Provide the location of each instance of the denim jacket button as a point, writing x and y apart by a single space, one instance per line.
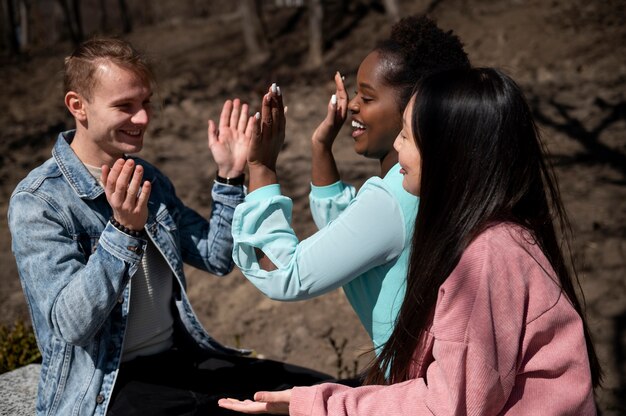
99 398
120 299
136 249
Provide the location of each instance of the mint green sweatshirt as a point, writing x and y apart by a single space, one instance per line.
363 245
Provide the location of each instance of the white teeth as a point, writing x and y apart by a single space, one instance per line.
132 132
357 125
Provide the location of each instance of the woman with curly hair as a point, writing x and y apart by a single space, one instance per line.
363 241
491 323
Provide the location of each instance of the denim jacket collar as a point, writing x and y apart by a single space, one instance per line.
76 173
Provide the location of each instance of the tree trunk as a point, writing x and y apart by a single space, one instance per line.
252 30
23 37
75 32
316 38
127 23
14 44
392 9
104 17
79 21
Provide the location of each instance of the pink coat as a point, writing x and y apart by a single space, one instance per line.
504 340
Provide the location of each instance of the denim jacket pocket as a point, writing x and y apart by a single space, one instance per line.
87 243
165 220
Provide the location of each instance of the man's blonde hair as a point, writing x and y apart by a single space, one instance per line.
81 66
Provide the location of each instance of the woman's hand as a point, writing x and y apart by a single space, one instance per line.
323 166
327 131
267 140
230 142
274 402
126 195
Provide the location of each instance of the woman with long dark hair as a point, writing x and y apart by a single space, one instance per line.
491 322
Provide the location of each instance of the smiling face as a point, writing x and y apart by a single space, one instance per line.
112 122
409 156
376 118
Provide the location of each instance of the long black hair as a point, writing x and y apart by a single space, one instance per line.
482 163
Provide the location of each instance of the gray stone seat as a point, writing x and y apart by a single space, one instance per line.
18 391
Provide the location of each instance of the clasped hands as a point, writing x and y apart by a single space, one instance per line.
238 140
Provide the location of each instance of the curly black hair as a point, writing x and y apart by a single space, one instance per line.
416 48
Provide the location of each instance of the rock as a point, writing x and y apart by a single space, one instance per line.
18 391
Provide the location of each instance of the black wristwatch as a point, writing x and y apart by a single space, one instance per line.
237 180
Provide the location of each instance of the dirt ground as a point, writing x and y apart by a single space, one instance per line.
569 56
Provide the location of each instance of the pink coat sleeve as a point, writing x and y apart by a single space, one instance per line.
504 340
462 379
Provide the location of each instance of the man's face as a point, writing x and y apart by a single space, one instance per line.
117 113
376 117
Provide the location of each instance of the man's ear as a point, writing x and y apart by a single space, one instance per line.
76 104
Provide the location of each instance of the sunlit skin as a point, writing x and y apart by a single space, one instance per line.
409 156
375 109
375 120
229 141
112 121
274 402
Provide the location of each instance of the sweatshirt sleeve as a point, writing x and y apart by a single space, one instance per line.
328 202
368 233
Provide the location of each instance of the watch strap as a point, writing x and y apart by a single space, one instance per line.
236 181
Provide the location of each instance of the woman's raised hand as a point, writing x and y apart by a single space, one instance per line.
229 143
267 140
328 129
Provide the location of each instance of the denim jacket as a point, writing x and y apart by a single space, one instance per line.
75 267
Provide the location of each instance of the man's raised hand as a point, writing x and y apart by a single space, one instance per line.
229 142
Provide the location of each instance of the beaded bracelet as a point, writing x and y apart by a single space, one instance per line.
133 233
